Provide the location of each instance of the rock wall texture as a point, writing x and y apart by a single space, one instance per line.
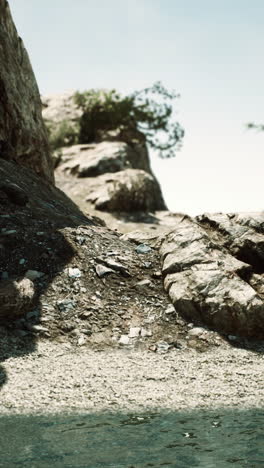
101 177
23 136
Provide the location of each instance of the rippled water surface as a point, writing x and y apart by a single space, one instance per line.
194 439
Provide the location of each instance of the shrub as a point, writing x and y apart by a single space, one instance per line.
65 133
148 111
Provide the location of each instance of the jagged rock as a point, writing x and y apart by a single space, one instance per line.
23 137
96 159
206 283
128 190
241 234
16 297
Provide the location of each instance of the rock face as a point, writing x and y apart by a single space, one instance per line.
116 152
125 191
213 272
97 159
23 136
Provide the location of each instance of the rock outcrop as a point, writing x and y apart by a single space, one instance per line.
23 137
212 273
115 170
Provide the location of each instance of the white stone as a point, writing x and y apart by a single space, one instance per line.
134 332
124 339
74 273
196 331
145 332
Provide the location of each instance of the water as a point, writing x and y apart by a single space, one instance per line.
195 439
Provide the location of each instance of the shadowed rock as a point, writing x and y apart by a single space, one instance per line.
23 136
206 280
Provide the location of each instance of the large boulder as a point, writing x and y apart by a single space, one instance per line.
213 275
129 190
95 159
23 137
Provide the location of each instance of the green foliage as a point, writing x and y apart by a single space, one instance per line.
148 111
254 126
63 134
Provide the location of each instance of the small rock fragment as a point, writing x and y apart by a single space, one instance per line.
102 270
81 341
33 274
75 273
124 340
16 297
196 331
144 332
232 337
145 282
157 275
143 249
65 305
37 328
163 347
134 332
170 310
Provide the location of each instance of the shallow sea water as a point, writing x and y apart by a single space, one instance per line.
208 439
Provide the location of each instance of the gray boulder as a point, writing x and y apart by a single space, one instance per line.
16 298
95 159
127 190
241 234
207 280
23 137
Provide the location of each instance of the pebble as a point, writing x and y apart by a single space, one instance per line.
144 332
22 261
75 273
170 310
157 274
163 347
134 332
65 304
145 282
37 328
232 337
81 341
124 340
143 249
102 270
197 331
33 274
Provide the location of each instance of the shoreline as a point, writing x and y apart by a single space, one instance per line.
60 378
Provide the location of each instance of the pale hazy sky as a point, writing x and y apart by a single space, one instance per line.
209 51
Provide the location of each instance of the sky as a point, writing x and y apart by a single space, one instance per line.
209 51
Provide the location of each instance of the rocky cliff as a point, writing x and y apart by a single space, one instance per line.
23 136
